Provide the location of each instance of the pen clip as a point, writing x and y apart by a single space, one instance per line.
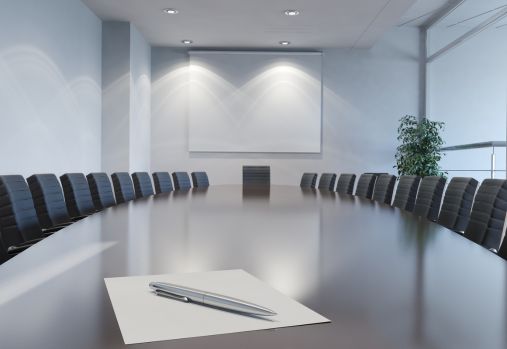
166 294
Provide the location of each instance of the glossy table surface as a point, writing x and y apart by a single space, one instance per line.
385 278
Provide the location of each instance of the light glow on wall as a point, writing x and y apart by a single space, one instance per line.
255 102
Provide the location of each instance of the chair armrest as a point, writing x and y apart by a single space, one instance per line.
30 242
493 250
14 250
52 229
62 225
78 218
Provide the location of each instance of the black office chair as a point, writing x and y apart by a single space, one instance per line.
48 200
502 252
200 179
406 192
181 181
4 256
429 197
142 184
123 187
327 181
19 226
163 182
384 187
101 190
365 185
308 180
77 195
346 183
256 176
457 204
488 214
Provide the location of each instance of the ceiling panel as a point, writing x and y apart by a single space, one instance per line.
259 23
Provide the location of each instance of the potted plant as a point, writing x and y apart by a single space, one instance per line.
419 152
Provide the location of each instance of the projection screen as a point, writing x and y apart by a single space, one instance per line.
255 102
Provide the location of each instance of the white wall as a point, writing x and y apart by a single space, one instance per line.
468 91
126 112
365 94
50 87
254 101
116 89
140 99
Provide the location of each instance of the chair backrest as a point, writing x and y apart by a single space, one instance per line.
200 179
101 190
327 181
502 252
429 197
365 185
256 176
488 214
163 182
77 194
181 181
48 200
4 256
123 187
406 192
142 184
457 204
18 219
384 187
346 183
308 180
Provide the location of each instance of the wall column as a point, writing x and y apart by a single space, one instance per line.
126 98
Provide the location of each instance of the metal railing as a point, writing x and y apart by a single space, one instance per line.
489 144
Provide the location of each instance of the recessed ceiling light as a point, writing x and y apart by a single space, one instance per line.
187 42
291 12
285 43
170 11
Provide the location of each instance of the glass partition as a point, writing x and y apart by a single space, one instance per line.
467 85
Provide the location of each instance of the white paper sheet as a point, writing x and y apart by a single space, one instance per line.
144 317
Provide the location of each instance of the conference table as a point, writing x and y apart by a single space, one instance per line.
385 278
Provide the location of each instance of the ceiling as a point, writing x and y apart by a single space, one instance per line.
258 23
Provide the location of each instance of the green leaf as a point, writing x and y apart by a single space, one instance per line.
419 149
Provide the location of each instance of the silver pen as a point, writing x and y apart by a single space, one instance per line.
187 294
